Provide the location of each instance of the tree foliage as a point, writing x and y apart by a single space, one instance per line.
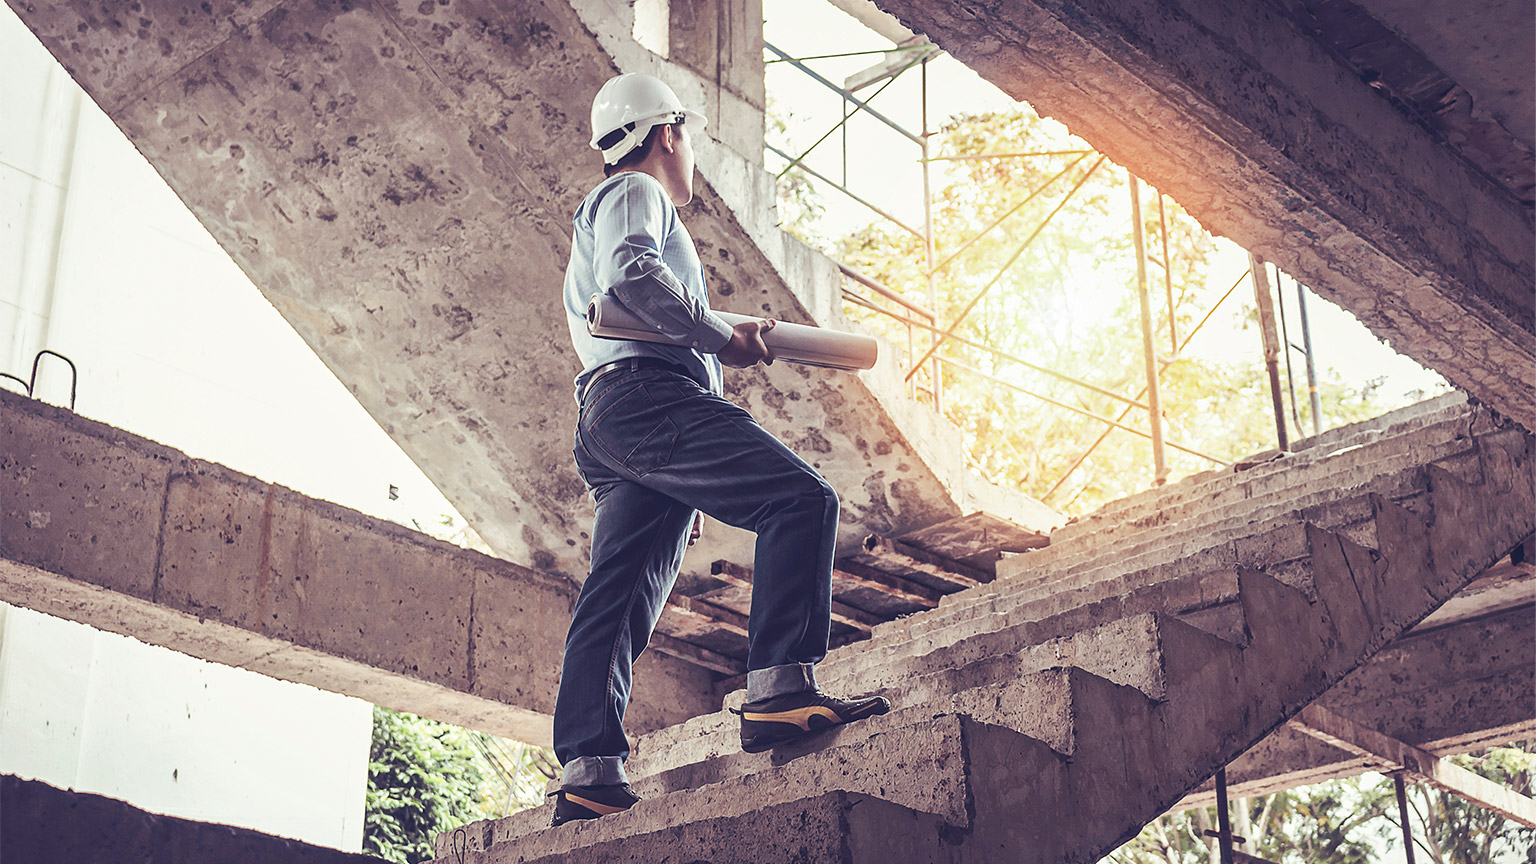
424 777
1066 301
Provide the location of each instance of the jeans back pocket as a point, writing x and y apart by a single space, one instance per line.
634 432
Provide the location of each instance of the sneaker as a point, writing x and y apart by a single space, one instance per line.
773 721
590 802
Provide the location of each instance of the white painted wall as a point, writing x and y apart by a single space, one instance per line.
100 262
172 734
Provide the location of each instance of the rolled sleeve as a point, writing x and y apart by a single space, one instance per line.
710 335
630 221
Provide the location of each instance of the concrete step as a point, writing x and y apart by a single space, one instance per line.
1124 650
1301 487
1001 688
1437 429
1246 539
831 828
1440 418
913 759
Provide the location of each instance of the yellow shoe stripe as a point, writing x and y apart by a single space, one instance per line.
799 716
595 807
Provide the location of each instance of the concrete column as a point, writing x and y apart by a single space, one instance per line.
722 41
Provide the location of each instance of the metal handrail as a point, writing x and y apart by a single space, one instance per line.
888 293
1004 355
1083 411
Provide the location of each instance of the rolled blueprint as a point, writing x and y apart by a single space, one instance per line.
797 343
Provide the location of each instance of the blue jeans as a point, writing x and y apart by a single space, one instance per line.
653 446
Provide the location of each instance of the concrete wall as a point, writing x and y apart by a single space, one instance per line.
98 712
41 823
398 179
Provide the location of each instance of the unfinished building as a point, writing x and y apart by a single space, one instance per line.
397 179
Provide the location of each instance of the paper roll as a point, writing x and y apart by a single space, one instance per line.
796 343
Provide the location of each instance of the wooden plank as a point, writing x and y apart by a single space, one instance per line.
897 588
842 613
1345 734
697 615
901 558
690 653
978 538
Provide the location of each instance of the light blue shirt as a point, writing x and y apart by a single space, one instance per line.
627 240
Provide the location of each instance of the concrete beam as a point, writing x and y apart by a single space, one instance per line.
398 179
1257 129
1341 732
102 527
39 822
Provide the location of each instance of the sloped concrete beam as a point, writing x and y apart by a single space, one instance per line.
109 529
1333 729
1264 136
398 178
39 822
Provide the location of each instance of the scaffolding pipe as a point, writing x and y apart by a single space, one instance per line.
842 124
1003 355
1223 821
863 105
1306 341
959 319
935 370
1010 211
1266 302
1287 346
1073 408
888 293
1173 321
835 185
1144 294
968 156
1402 813
1124 411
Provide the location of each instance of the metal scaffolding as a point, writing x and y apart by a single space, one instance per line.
920 319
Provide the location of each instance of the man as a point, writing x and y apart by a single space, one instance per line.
656 444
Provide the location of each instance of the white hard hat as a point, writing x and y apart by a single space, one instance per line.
631 104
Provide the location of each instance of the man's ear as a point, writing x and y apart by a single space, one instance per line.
668 140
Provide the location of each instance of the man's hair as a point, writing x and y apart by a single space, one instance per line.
637 155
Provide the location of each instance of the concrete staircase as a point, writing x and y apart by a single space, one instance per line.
1050 714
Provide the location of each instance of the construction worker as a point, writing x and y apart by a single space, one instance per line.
656 444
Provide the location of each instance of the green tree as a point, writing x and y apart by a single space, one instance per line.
424 777
1456 832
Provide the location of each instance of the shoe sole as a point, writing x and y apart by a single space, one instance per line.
582 809
798 722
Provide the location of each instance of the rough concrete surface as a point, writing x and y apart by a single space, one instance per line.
1069 778
398 179
1264 136
103 527
40 823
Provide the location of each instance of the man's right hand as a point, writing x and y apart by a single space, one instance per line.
746 347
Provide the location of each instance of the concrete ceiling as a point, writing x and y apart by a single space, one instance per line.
398 179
